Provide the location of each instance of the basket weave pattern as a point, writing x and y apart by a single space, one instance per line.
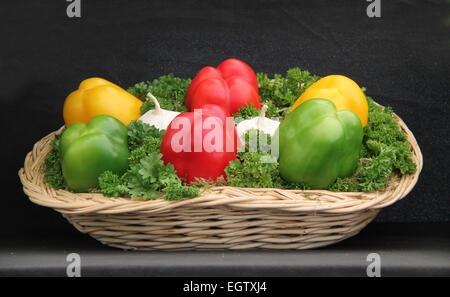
222 217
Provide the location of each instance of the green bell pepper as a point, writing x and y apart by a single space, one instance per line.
317 144
88 150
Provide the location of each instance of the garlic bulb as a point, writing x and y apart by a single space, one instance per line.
261 123
158 117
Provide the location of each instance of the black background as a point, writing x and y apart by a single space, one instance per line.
402 58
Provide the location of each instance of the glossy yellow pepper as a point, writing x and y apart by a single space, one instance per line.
342 91
96 96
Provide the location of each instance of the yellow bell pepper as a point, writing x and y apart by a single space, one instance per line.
96 96
342 91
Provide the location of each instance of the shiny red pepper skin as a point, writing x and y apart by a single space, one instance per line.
231 85
197 161
215 110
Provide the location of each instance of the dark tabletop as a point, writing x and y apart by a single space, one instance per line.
402 58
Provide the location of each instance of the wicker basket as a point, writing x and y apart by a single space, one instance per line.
222 217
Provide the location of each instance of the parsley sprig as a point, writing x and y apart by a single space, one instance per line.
53 171
170 91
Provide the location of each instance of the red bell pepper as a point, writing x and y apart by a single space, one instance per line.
200 144
215 110
231 85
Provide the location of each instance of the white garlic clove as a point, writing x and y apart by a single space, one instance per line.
261 123
158 117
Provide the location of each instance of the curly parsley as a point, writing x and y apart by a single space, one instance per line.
280 93
170 91
250 171
254 167
246 112
53 171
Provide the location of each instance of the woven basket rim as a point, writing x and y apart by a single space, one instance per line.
271 199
